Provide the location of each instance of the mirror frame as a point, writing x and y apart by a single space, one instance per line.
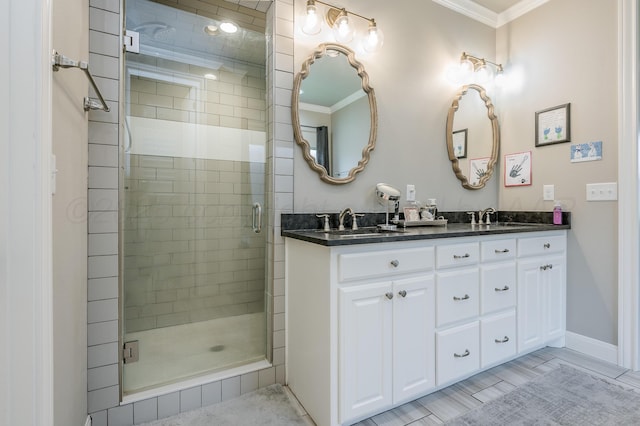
455 164
320 51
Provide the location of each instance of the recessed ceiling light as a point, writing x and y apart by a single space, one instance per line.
229 27
211 76
211 30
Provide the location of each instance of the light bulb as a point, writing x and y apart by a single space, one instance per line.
466 70
342 30
375 38
312 23
500 78
483 74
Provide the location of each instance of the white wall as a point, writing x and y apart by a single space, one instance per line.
70 25
25 228
413 100
561 56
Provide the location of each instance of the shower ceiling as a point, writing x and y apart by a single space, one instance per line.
165 30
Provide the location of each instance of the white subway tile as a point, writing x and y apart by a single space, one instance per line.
101 222
102 310
104 44
103 244
104 21
102 377
103 177
103 155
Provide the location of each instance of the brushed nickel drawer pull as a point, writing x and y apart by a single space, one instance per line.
505 288
464 256
465 297
389 295
505 340
403 293
501 251
395 263
466 353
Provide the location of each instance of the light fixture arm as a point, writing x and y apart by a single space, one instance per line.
476 61
340 10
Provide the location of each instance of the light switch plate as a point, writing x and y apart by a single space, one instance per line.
602 191
548 192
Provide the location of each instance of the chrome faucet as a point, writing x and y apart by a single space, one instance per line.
486 212
343 213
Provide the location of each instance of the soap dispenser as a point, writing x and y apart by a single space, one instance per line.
557 213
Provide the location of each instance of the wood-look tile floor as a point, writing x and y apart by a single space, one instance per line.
441 406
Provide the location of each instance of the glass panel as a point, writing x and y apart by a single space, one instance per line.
194 166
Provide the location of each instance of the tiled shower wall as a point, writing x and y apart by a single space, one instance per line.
189 251
103 203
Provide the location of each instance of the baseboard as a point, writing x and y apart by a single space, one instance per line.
592 347
88 421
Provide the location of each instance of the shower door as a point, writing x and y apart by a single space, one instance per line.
192 190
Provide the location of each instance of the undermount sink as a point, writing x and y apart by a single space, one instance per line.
361 232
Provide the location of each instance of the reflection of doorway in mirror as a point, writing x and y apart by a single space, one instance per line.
477 169
460 143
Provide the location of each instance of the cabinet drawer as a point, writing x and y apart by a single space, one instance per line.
541 245
457 296
457 255
354 266
457 352
497 250
497 287
497 338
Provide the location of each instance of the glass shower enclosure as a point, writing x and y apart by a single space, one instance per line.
192 190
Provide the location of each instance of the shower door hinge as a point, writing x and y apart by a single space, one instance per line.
131 41
130 352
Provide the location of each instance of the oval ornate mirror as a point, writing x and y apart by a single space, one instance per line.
473 140
334 113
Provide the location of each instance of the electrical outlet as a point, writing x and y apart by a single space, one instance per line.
602 191
411 192
548 192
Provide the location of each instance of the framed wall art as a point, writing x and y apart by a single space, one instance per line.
517 169
460 143
553 125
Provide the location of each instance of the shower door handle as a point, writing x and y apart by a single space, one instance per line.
256 220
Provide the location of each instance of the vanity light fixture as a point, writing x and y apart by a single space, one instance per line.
479 70
338 19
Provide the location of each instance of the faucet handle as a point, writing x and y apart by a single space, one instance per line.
354 224
488 218
327 228
473 217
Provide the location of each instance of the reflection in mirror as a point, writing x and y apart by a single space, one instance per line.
334 113
473 136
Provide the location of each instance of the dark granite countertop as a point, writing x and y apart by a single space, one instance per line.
538 221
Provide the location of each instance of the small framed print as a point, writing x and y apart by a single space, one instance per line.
460 143
553 125
517 169
477 169
411 214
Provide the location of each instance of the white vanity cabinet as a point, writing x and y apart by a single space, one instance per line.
541 291
386 344
372 326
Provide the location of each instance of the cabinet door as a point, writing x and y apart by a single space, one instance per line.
365 365
531 303
413 337
555 285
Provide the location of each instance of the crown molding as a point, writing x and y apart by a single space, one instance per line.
489 17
